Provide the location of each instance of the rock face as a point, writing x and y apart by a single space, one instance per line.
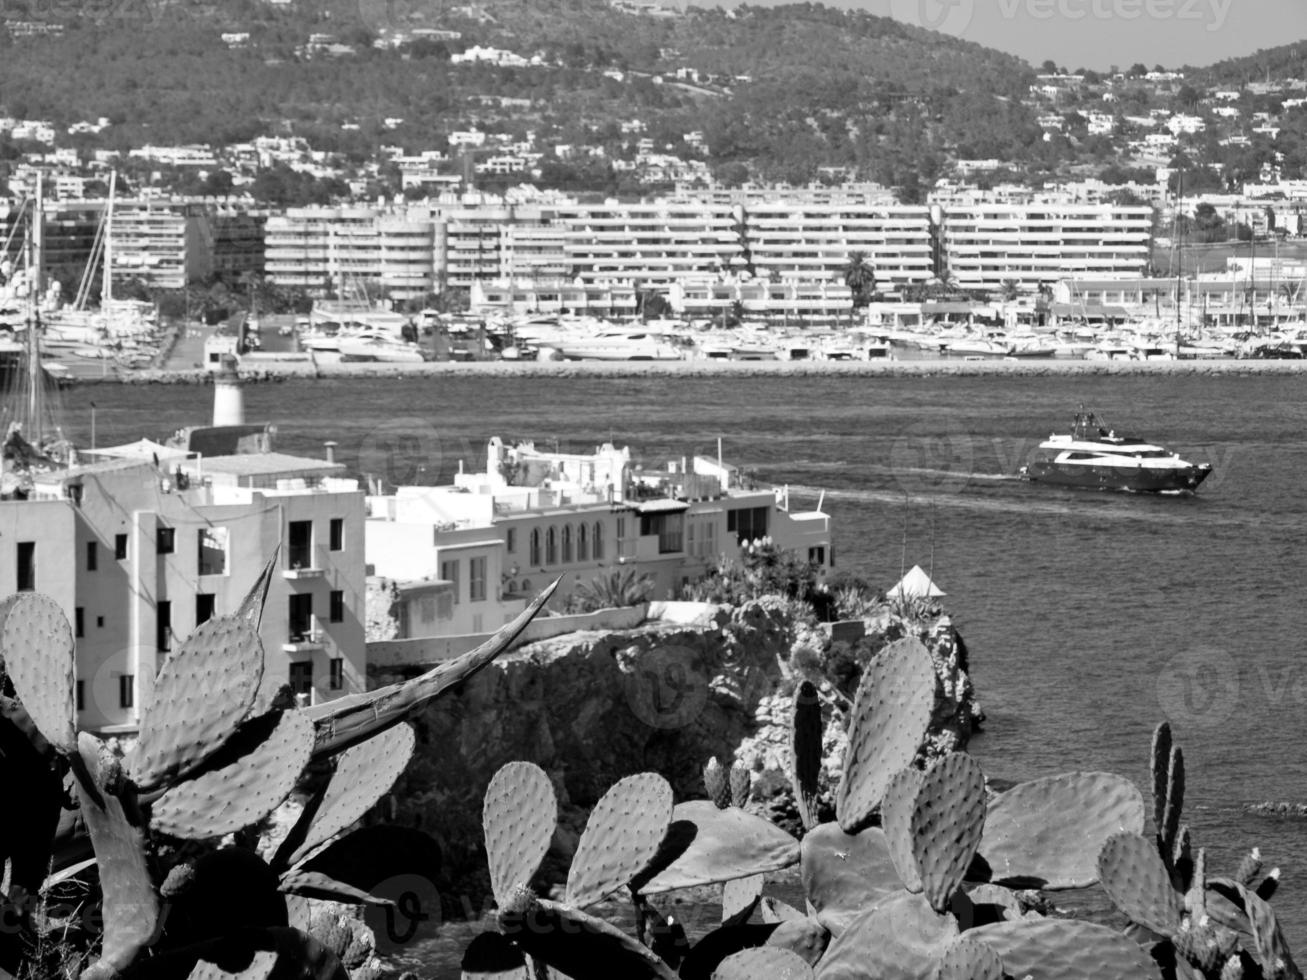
591 708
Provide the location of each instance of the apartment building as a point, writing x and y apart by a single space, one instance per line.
138 558
466 557
986 245
164 244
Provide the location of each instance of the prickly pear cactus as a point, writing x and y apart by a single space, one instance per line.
620 838
1066 949
763 961
740 897
717 783
969 959
896 811
519 815
726 844
900 937
947 820
741 783
36 646
805 748
225 799
204 690
1135 878
891 712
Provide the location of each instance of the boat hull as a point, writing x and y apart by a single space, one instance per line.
1139 479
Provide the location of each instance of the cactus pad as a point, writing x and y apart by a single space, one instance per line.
364 774
740 897
771 962
203 692
716 783
578 944
131 910
845 874
1269 946
741 785
891 712
37 651
946 825
727 844
1170 826
900 937
223 800
621 836
1050 831
968 959
1160 767
1138 883
1066 949
803 936
805 748
896 820
519 816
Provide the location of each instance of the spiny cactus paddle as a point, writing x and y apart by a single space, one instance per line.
740 897
1269 947
727 844
1160 767
741 783
900 937
969 959
1048 832
896 811
518 816
803 936
204 690
1066 949
844 874
890 716
363 775
621 836
1169 830
235 793
805 749
716 783
131 910
1134 877
947 820
36 646
763 961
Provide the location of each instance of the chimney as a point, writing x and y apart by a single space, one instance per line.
331 450
228 397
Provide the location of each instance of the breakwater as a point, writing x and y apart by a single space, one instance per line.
301 370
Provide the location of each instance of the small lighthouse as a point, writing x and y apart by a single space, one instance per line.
228 395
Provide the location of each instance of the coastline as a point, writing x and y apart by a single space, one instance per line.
295 370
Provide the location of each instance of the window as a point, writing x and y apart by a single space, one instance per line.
165 540
203 607
337 534
26 566
301 616
301 677
212 551
667 527
535 546
126 690
582 545
747 523
92 556
163 625
449 572
551 546
79 622
817 555
299 553
512 540
337 673
120 547
81 695
598 544
476 580
336 613
567 544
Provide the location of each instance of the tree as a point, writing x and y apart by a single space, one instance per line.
860 277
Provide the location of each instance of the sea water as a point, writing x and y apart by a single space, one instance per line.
1089 616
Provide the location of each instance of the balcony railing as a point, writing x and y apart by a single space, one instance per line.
305 639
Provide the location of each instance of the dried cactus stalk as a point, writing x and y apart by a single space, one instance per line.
620 838
364 774
37 650
947 821
1134 877
225 799
891 712
519 815
805 749
205 689
896 820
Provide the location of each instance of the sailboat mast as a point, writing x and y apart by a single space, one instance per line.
35 288
106 288
1179 249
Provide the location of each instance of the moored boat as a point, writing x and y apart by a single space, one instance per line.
1094 457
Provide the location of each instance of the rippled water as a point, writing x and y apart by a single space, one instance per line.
1090 617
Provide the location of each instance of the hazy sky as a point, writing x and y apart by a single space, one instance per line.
1100 33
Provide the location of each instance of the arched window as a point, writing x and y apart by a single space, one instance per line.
535 546
567 544
582 545
598 544
551 546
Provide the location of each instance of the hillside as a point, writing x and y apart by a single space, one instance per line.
1285 61
789 89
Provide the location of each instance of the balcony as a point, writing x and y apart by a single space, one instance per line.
305 637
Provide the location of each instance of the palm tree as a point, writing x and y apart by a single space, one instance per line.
860 277
622 587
